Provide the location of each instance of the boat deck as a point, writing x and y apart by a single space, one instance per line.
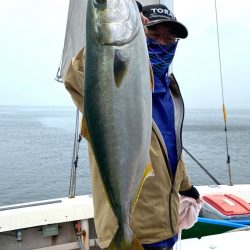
31 220
225 241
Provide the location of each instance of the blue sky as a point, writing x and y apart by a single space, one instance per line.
32 36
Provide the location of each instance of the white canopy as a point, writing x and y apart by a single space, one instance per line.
75 31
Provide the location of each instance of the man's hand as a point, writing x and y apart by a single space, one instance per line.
144 22
144 19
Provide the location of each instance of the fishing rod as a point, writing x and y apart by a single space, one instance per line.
222 93
203 168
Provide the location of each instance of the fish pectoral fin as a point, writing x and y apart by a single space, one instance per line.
148 171
120 65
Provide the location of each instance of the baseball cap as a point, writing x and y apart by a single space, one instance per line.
159 13
139 6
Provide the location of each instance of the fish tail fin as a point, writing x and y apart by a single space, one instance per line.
125 240
148 171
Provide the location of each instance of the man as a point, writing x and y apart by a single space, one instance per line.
164 31
154 220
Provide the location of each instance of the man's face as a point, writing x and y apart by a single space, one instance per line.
161 33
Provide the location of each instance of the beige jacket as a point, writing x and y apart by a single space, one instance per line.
155 216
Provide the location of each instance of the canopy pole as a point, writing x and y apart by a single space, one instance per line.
77 140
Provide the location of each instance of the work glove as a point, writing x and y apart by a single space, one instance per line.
192 192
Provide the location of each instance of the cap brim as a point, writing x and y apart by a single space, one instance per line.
179 29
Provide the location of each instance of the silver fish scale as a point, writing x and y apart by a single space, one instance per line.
119 118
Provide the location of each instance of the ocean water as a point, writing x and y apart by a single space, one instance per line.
36 145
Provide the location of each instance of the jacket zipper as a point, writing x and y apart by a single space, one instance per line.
180 141
170 175
183 113
166 155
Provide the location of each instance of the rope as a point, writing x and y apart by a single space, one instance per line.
77 140
222 92
203 168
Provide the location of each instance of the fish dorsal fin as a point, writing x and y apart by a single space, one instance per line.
121 59
84 130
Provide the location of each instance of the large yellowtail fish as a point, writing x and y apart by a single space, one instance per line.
118 106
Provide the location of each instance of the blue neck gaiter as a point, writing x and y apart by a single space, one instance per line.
161 56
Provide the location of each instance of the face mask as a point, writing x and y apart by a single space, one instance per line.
161 56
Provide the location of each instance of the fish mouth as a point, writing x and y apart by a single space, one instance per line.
118 23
